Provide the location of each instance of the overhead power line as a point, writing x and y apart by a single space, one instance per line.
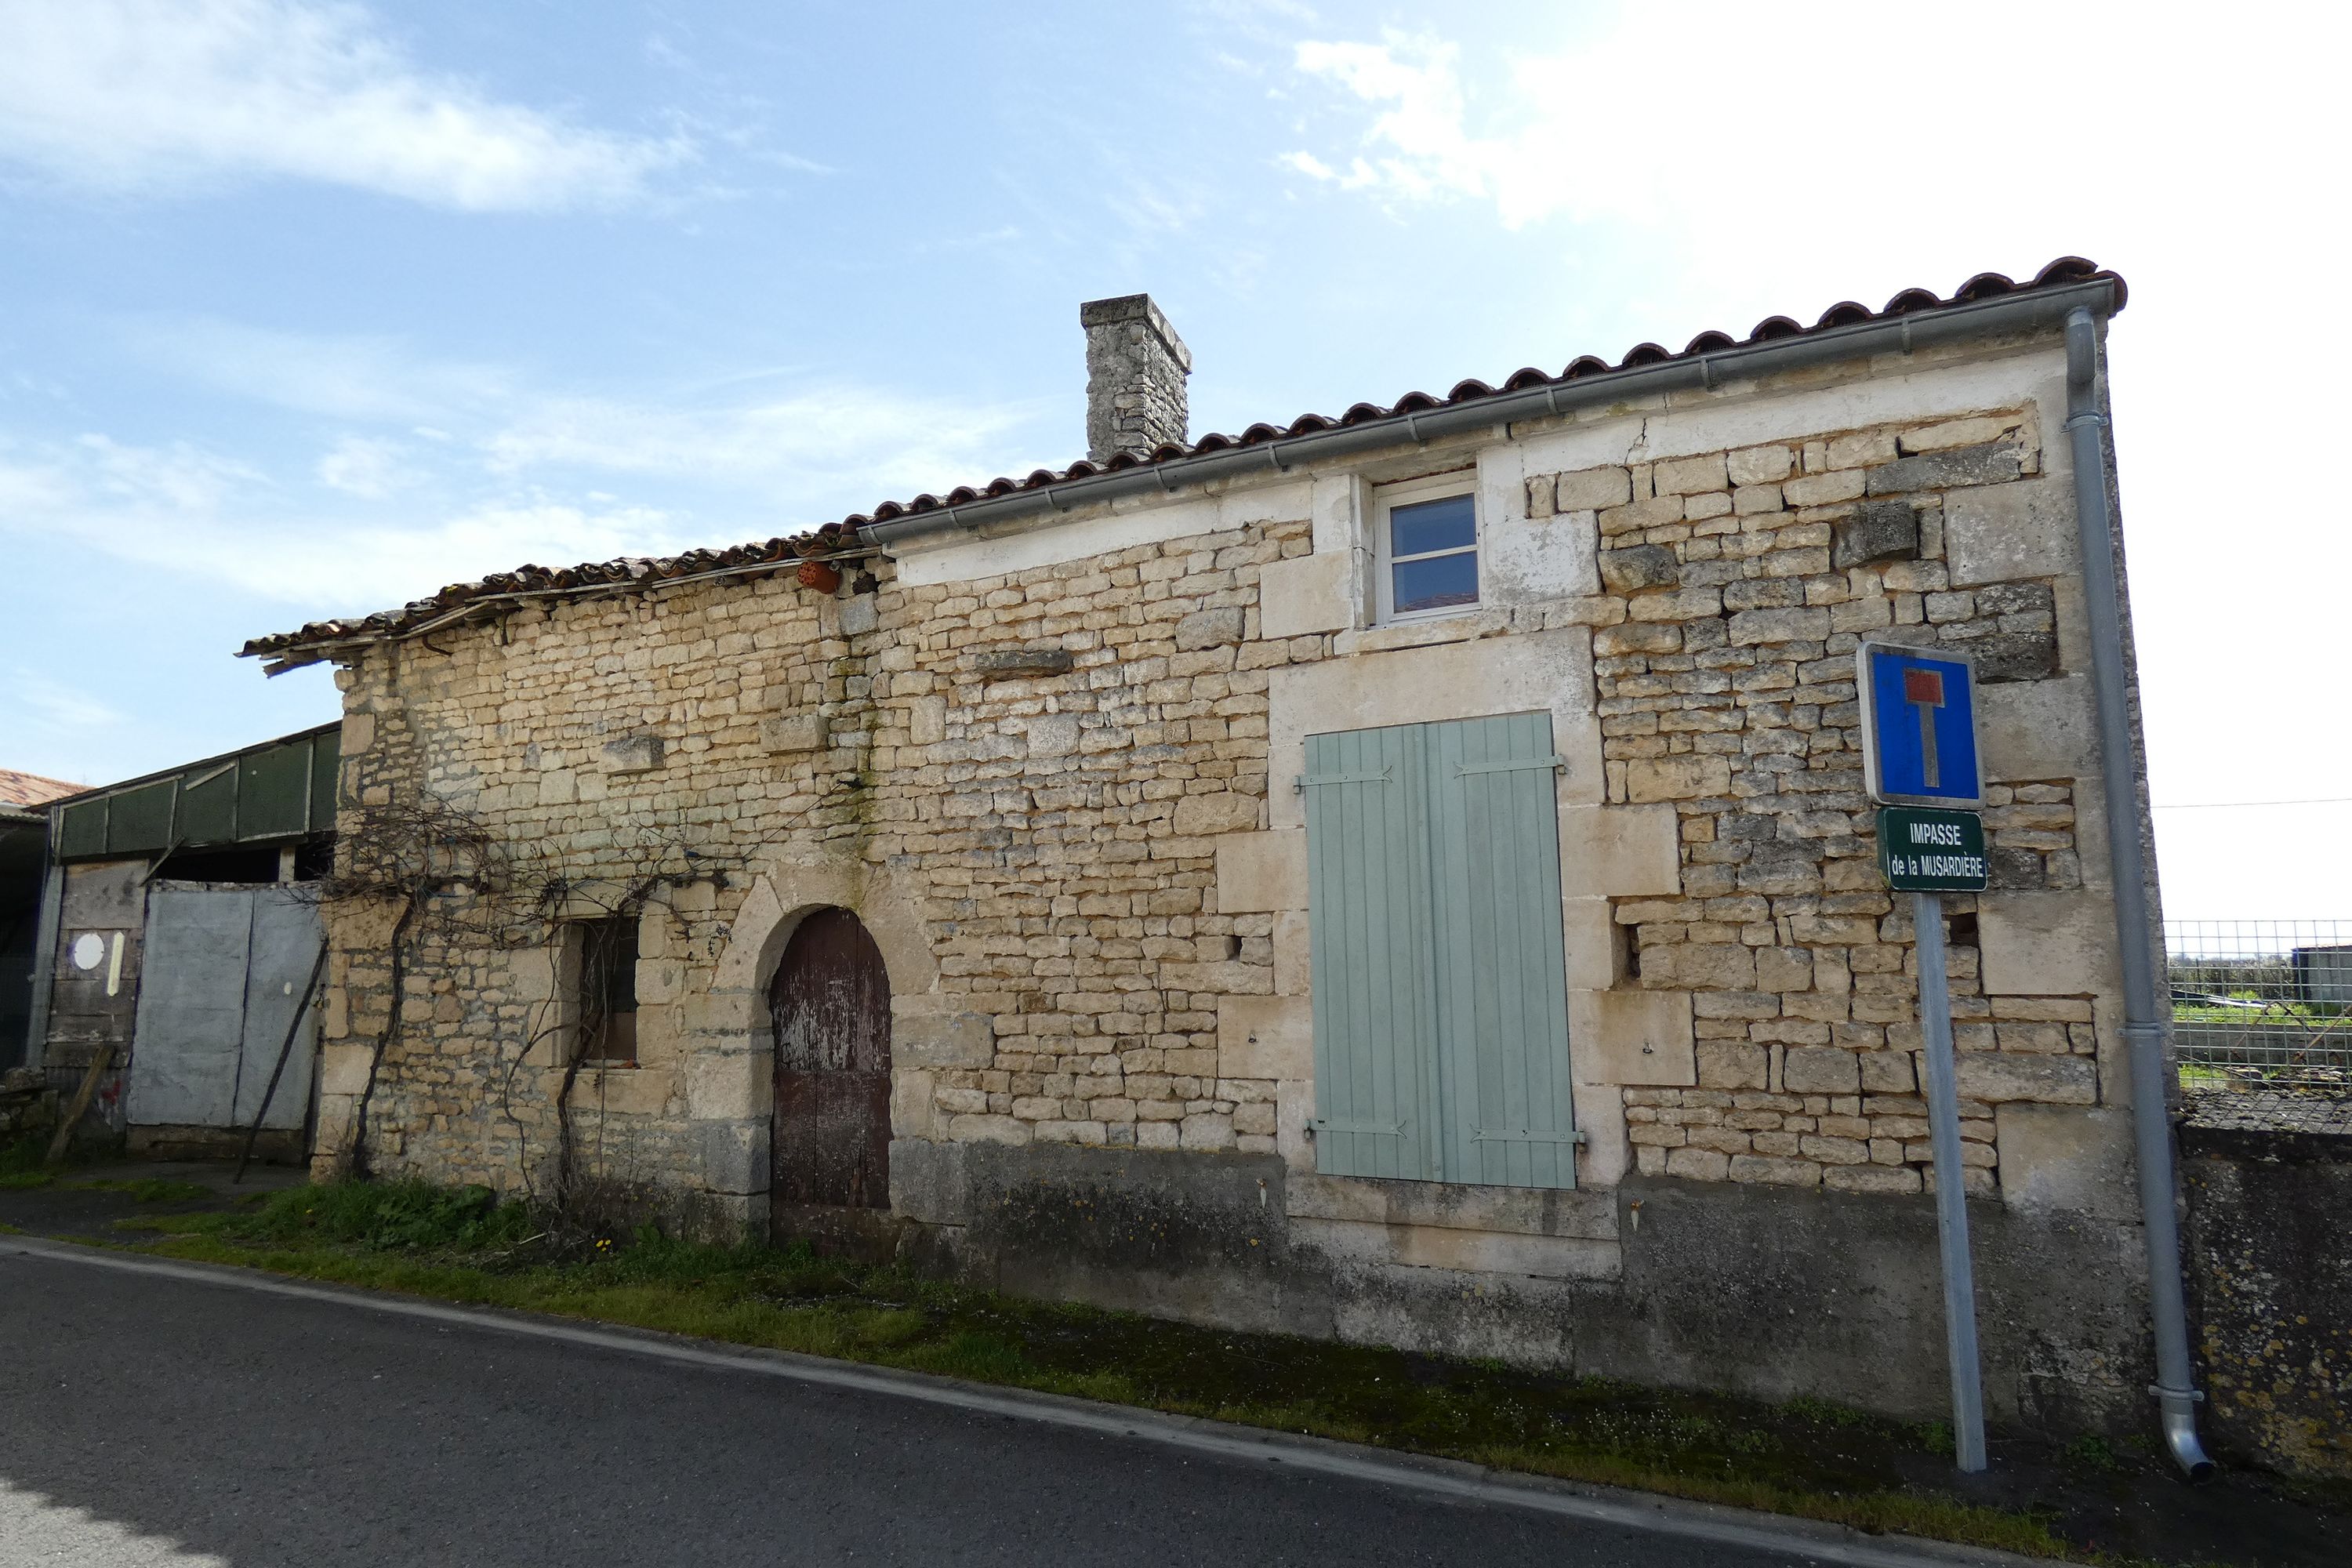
2233 804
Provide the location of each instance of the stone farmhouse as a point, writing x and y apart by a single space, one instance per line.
1401 876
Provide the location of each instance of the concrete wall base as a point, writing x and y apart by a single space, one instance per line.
1760 1292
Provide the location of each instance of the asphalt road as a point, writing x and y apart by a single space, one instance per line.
159 1420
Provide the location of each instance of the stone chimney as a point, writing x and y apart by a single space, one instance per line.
1136 366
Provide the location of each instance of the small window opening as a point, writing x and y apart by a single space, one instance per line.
241 865
1964 929
314 859
608 991
1428 543
1630 938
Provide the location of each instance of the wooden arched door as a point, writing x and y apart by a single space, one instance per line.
831 1004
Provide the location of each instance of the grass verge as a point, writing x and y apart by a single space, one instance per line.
20 1164
1806 1458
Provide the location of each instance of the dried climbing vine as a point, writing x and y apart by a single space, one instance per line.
455 884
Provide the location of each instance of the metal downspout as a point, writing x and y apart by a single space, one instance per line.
2144 1000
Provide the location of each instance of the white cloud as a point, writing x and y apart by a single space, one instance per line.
340 375
150 95
507 487
820 440
362 467
499 537
486 418
59 706
211 519
1431 151
1759 129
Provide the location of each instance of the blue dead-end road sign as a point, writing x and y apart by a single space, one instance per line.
1918 726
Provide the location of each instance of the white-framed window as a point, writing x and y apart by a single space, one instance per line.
1425 534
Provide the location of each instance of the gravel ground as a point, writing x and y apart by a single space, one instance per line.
2240 1109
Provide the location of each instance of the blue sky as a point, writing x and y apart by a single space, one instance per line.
305 309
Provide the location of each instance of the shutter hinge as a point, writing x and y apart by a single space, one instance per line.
1558 765
1522 1136
1304 782
1375 1129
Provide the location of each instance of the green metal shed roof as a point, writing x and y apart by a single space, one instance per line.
271 793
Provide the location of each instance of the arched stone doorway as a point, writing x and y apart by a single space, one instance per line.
830 1001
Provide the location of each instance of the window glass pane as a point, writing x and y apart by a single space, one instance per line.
1435 583
1448 524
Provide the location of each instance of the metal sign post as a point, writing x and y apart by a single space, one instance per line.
1919 748
1952 1197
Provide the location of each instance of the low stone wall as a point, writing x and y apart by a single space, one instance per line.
1764 1290
2269 1256
25 1104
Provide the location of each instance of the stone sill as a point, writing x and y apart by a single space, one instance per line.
1468 627
1587 1215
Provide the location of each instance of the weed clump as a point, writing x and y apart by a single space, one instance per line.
21 1163
384 1217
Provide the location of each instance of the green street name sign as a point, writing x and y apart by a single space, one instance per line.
1930 849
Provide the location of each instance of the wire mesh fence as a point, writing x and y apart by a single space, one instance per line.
2262 1002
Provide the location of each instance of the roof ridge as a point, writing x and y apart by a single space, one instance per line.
530 581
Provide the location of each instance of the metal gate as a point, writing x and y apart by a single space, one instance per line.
831 1003
225 969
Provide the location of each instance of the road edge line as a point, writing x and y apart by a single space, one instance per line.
1452 1478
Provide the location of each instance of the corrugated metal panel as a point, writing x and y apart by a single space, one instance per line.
326 762
273 792
81 828
225 969
287 932
1440 985
208 807
283 790
1374 1001
191 1025
138 821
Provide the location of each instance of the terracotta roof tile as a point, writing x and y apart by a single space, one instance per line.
32 789
835 538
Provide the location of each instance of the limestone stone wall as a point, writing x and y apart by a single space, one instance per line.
1740 582
1044 764
1050 769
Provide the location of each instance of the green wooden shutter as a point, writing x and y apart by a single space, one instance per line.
1376 1087
1502 986
1440 991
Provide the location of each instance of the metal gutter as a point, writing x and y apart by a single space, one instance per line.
2027 310
2145 1002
